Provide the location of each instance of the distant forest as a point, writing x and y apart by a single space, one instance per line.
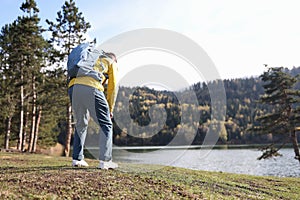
242 95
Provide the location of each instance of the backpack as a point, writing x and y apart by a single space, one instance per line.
81 61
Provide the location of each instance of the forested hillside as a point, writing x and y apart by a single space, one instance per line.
242 97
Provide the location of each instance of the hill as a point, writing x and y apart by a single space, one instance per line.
241 107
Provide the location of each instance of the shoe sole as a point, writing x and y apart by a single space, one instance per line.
79 166
110 168
107 168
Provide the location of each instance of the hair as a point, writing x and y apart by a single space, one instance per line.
111 55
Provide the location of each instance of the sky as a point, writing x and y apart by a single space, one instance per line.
239 36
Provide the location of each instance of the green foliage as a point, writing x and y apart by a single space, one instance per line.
281 95
282 98
69 29
23 55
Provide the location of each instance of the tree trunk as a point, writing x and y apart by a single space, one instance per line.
25 131
38 120
33 115
20 141
7 135
68 131
295 144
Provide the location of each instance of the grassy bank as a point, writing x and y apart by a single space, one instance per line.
25 176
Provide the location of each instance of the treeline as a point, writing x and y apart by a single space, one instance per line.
242 107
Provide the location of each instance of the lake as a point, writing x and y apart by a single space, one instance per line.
241 161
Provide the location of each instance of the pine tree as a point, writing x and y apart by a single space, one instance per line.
36 49
25 53
13 68
281 96
8 94
8 105
67 32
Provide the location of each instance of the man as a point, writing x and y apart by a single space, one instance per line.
88 100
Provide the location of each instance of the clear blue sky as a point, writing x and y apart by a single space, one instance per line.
239 36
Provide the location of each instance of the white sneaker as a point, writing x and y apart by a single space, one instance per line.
107 165
79 163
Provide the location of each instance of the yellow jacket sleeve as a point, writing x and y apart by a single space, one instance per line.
112 85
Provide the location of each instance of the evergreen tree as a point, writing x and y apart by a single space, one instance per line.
8 94
8 105
36 49
24 51
281 96
13 68
67 32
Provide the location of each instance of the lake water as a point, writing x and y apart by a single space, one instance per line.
242 161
